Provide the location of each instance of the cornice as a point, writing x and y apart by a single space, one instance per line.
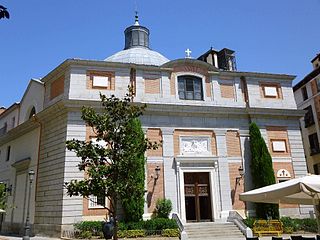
253 75
194 110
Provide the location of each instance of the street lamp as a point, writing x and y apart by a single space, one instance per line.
157 170
27 226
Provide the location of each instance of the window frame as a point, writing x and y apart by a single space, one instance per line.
318 84
279 140
316 148
304 93
308 117
97 73
8 153
93 202
191 75
277 86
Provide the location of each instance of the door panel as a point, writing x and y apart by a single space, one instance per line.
197 197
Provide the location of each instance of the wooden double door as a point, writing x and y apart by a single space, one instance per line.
197 197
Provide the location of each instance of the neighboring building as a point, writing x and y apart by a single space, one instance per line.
200 109
307 95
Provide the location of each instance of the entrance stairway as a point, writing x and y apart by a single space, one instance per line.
210 230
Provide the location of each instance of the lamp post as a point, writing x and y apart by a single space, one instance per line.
27 226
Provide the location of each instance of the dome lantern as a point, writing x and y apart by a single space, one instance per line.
136 35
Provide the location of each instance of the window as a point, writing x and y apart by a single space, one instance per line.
283 175
190 88
270 90
97 202
100 80
308 117
304 93
279 146
8 153
101 142
32 112
316 168
278 141
318 84
314 144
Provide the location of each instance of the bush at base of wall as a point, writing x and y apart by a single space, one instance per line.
156 226
291 225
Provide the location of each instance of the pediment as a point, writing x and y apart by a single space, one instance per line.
190 65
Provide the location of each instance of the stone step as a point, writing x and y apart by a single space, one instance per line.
216 231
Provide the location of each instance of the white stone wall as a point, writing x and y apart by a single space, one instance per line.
22 148
51 172
8 118
72 206
77 87
33 97
256 100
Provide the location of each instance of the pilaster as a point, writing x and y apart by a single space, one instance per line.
225 189
170 181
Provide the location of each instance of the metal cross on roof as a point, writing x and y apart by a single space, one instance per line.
188 53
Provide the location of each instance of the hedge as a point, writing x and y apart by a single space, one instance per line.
157 226
291 225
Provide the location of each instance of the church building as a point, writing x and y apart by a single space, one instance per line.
200 108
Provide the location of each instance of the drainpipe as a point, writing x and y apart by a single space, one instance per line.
246 95
36 120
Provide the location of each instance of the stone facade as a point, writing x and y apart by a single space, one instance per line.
204 137
307 96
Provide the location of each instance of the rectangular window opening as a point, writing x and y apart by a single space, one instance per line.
314 144
8 153
304 93
308 117
190 88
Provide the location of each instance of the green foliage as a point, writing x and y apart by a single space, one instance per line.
94 227
132 200
291 225
163 208
262 171
150 225
288 230
167 228
85 235
297 224
249 221
170 233
113 171
3 196
131 233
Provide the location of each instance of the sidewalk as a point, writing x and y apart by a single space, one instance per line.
285 236
33 238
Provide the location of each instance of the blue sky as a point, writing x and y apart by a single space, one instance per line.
274 36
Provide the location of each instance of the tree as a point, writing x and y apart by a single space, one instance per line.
132 199
4 12
3 196
262 171
110 170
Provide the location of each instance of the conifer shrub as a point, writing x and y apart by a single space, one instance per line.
262 171
163 208
132 200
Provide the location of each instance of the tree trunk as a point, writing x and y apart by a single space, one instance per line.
115 212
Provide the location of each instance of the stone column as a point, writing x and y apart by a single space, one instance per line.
224 179
170 183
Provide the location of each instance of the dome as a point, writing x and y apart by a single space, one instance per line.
136 48
138 55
